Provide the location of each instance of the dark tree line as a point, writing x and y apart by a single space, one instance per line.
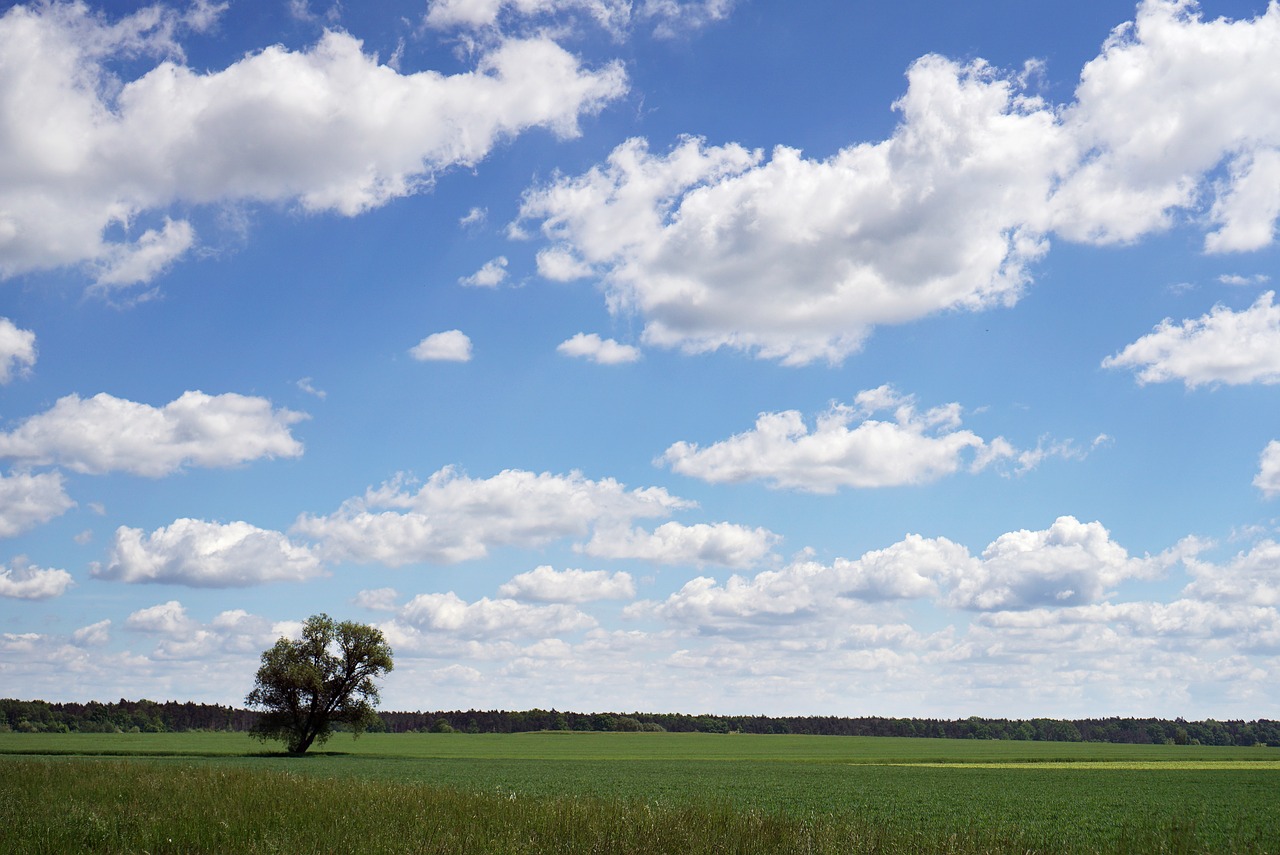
150 716
120 717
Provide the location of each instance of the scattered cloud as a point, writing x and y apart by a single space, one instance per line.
1221 347
914 448
93 635
491 275
111 158
453 517
486 618
1268 477
600 351
669 18
306 384
207 555
17 350
1236 279
448 346
725 544
545 584
28 500
1069 563
1251 577
22 580
797 259
379 599
108 434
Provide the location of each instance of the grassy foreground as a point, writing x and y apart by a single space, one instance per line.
631 793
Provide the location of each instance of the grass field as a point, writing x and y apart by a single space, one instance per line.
615 792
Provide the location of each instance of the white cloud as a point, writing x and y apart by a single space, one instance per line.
486 618
1268 477
1251 577
600 351
547 585
674 18
379 599
1220 347
306 384
24 581
491 275
168 618
17 350
27 501
327 128
1069 563
93 635
448 346
107 434
1236 279
798 259
456 518
914 448
670 18
722 543
207 555
1170 97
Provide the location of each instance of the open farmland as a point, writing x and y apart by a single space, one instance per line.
632 792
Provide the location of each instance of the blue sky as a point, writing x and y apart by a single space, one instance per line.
685 355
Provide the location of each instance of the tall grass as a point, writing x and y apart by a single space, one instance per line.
108 805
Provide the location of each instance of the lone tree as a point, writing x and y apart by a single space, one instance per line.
304 687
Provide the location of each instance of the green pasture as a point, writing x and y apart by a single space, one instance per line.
831 794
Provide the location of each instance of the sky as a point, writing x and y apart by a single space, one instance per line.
703 356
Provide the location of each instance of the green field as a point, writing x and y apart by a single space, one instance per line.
619 792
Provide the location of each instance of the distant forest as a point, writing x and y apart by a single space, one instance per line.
151 717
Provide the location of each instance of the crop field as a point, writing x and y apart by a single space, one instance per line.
621 792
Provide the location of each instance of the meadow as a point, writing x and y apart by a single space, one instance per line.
631 792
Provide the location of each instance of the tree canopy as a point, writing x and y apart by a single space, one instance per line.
326 677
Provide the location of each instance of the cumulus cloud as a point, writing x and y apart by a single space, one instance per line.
722 543
448 346
1251 577
108 434
600 351
1222 346
27 501
93 635
22 580
453 517
17 350
327 128
207 555
491 275
1268 477
1069 563
486 618
915 448
798 259
1169 99
545 584
169 618
379 599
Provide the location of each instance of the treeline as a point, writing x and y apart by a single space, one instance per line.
121 717
1120 730
151 717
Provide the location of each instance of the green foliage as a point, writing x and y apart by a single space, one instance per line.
306 687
